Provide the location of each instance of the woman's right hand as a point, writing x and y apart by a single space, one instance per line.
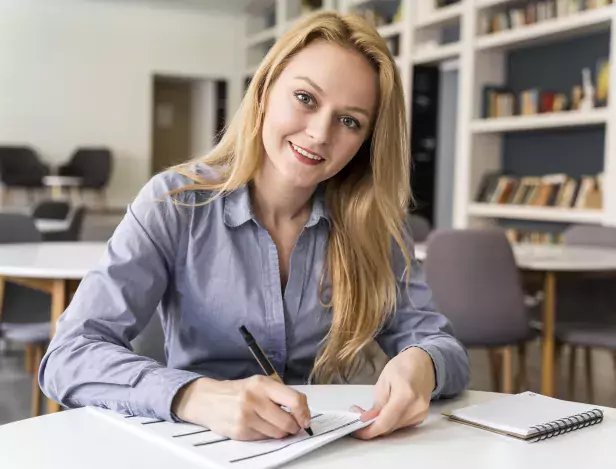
246 409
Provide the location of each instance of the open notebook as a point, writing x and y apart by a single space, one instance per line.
528 416
214 451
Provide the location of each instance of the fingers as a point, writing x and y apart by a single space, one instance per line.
263 426
399 411
278 418
295 401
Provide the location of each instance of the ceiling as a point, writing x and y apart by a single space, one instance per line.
227 6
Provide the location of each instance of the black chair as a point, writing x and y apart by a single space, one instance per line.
73 233
52 210
24 312
20 168
93 166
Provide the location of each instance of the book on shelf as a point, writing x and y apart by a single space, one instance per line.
551 190
516 16
520 236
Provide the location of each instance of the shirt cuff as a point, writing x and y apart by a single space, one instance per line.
439 366
157 389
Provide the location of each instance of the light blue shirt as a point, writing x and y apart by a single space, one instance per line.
208 270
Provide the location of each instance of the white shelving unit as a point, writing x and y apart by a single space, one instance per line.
479 142
480 60
520 212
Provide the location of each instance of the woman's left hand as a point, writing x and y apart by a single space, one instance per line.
402 394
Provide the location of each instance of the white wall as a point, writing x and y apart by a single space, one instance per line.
203 116
74 72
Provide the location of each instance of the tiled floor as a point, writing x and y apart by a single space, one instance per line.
15 383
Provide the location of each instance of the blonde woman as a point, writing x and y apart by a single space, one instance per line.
294 226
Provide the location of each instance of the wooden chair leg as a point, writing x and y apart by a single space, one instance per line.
572 356
29 357
495 368
590 389
508 370
36 391
522 377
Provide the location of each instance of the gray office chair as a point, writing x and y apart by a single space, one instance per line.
420 228
24 312
586 307
476 284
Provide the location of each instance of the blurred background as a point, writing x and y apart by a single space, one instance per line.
513 152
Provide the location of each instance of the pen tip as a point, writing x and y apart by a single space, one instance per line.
309 431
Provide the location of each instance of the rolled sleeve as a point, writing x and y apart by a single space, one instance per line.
416 323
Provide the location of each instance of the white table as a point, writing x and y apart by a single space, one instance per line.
76 439
57 183
551 260
55 268
50 225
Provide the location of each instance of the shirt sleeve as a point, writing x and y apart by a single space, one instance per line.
90 360
416 323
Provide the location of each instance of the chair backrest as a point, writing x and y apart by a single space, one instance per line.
76 223
21 166
18 228
587 299
590 235
420 228
52 209
93 165
21 304
476 284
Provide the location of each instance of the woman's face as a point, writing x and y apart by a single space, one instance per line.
319 112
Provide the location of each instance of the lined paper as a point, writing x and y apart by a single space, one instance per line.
215 451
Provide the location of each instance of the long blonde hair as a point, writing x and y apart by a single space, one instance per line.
367 200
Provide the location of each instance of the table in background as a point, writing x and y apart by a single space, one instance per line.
55 268
75 439
551 260
57 183
51 225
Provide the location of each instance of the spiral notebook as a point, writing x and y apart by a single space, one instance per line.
528 416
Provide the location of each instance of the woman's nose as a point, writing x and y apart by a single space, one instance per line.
319 128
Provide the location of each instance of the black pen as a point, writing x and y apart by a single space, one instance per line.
263 361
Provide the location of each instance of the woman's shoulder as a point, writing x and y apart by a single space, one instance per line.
183 183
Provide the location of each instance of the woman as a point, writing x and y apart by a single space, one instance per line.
292 226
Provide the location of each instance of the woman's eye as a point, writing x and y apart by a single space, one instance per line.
305 98
350 122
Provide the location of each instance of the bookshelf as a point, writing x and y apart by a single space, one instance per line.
480 58
541 121
557 215
480 141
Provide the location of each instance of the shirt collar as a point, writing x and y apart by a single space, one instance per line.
238 209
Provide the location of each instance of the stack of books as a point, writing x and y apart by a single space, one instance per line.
552 190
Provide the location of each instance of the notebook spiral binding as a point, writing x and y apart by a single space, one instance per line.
566 425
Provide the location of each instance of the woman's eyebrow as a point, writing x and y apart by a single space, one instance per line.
320 90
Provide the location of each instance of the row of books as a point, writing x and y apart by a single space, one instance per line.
501 101
518 236
552 190
535 12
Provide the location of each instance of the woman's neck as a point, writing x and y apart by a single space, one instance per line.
276 202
